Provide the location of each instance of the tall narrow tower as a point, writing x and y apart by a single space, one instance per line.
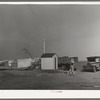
44 45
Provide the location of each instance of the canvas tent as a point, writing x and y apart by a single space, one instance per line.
49 61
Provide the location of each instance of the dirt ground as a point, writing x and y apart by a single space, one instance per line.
48 80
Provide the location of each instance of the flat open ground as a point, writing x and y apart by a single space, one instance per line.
38 79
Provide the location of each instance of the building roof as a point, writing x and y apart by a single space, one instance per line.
93 57
46 55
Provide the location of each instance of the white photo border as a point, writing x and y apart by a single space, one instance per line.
38 94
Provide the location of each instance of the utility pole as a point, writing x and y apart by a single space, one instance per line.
44 45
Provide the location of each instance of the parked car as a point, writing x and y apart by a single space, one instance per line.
93 64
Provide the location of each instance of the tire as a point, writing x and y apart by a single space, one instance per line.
75 69
94 69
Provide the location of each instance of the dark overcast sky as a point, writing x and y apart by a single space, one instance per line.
70 30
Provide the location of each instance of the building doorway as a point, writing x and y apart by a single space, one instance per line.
55 63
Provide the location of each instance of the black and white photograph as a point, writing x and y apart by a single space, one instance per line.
49 47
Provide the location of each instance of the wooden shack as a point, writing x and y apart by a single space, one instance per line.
49 61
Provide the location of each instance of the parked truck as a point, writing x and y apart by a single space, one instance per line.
64 62
93 64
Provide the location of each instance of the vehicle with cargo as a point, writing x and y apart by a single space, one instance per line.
64 62
93 64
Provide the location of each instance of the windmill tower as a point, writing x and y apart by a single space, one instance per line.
44 45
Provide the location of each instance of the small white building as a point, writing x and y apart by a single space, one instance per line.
49 61
24 63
